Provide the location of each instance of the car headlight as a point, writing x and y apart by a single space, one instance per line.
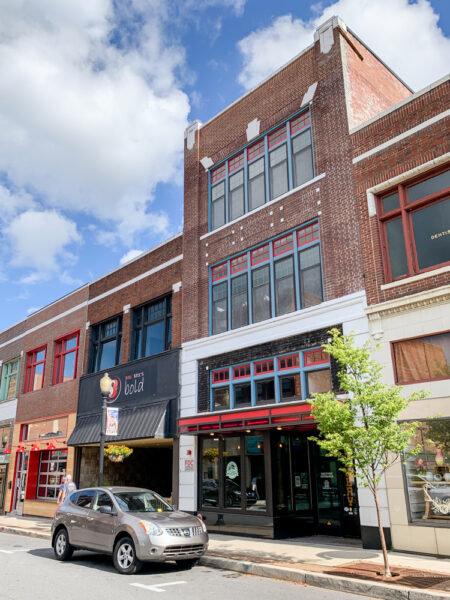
202 523
151 528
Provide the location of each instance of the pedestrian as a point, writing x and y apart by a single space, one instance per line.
66 488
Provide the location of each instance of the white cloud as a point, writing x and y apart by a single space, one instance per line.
89 126
404 35
32 309
130 255
38 241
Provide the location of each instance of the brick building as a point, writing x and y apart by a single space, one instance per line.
50 344
134 333
272 261
402 182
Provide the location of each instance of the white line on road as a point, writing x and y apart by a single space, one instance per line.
158 586
12 551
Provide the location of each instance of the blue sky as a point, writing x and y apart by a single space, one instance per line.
95 97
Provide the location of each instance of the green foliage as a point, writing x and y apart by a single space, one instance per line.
361 430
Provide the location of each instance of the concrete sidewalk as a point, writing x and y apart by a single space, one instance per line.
317 561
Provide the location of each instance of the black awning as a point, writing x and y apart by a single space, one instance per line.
134 423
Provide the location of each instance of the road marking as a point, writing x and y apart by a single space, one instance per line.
12 551
158 586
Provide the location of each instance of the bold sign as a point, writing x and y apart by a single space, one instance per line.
112 421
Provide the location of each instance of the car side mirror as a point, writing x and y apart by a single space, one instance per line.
106 510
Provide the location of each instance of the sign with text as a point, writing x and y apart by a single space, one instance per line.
112 421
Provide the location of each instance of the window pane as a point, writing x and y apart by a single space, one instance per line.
239 302
71 343
261 294
108 355
69 366
318 381
431 227
255 488
310 277
210 472
154 338
221 398
169 333
109 328
236 195
242 395
137 351
232 472
423 359
302 158
430 186
220 308
396 248
284 286
390 202
256 184
265 391
38 377
278 172
40 356
290 388
218 205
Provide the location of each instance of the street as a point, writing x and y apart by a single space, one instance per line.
29 572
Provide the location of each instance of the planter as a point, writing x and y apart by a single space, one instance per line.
117 458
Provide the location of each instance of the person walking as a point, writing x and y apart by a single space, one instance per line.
65 488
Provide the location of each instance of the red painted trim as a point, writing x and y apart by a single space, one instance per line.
249 414
300 408
64 353
260 255
314 363
245 376
277 136
307 418
233 424
256 150
308 234
294 366
236 162
286 419
31 366
205 427
300 122
222 274
195 420
263 362
257 422
241 265
218 173
286 240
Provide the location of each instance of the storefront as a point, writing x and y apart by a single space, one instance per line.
145 394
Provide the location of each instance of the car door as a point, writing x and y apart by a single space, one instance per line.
78 517
100 527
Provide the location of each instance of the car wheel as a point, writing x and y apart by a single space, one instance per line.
124 557
187 564
61 546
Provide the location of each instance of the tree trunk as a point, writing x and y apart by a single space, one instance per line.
387 570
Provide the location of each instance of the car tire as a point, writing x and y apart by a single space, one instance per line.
61 545
187 563
124 557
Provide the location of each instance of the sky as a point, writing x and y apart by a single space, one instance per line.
95 97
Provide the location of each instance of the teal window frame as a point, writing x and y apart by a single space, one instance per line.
7 373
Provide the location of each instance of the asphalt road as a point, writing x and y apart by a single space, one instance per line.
28 571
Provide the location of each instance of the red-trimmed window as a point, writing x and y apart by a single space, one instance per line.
239 263
34 376
283 244
236 162
264 366
220 272
300 122
221 376
414 228
308 234
66 358
256 150
260 254
241 372
218 173
316 357
288 362
277 136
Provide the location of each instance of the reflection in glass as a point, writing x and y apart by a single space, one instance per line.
318 381
431 233
242 394
255 487
430 186
232 472
290 388
265 391
396 246
210 472
221 398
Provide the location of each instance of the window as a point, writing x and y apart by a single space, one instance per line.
66 358
34 376
85 498
415 226
284 156
105 344
288 378
422 359
52 469
46 429
152 328
273 279
427 474
10 379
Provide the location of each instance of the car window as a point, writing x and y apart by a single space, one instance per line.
85 498
141 502
102 499
74 497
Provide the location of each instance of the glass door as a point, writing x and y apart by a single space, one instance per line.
329 506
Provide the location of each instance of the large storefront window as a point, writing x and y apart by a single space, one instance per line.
47 429
422 359
428 473
52 469
233 472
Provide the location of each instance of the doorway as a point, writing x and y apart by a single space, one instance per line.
312 496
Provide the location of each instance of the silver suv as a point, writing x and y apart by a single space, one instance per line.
132 524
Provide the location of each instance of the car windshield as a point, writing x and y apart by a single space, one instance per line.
141 502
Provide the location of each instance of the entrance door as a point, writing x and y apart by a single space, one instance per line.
20 482
3 469
329 506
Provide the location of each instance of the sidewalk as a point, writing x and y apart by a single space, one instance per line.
319 561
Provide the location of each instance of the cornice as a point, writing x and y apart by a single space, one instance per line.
413 302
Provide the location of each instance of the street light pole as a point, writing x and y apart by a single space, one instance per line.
105 388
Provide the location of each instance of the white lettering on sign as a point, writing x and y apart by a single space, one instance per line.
232 470
134 384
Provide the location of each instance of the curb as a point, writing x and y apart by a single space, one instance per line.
26 532
332 582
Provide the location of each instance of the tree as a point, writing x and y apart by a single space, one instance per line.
361 429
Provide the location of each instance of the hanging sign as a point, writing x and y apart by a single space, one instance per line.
112 421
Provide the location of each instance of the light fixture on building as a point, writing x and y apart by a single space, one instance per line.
280 444
35 447
105 389
279 428
20 448
211 434
248 430
51 446
7 450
